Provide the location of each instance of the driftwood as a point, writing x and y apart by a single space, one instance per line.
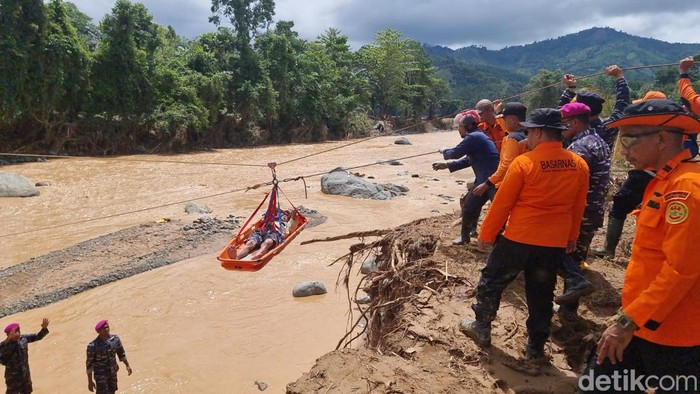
405 268
357 234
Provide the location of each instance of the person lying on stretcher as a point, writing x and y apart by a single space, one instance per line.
265 238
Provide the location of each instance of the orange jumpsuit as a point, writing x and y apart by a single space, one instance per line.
495 133
661 291
510 149
542 197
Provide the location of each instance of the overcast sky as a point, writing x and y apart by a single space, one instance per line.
494 24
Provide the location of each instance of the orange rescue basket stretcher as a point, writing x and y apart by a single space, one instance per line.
297 223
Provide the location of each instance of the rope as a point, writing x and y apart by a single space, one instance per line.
590 76
121 213
365 139
354 142
135 160
256 186
243 189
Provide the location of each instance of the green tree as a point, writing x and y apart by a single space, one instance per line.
384 62
249 80
279 51
86 29
179 111
246 16
544 90
425 88
212 56
123 68
66 66
346 89
22 33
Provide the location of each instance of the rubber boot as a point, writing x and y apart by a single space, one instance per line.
612 238
478 331
535 354
463 239
574 292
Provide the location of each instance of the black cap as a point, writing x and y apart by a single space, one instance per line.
549 118
594 101
663 113
515 108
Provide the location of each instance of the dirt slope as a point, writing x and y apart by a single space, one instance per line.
407 338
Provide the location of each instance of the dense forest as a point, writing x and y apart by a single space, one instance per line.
131 85
127 84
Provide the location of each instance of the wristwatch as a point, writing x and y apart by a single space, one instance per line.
625 322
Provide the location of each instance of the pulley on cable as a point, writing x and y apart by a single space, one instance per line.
257 243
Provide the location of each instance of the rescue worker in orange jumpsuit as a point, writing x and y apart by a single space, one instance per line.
657 331
513 145
487 112
690 98
542 199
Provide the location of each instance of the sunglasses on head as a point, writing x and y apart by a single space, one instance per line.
628 141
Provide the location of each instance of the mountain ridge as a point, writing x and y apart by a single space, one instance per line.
586 52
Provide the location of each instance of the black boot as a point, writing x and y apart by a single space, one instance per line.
534 353
463 239
574 292
612 238
480 332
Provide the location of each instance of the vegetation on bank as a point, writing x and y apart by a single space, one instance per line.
131 85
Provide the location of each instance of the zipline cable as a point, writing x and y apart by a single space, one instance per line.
354 142
285 162
365 139
589 76
256 186
135 160
451 115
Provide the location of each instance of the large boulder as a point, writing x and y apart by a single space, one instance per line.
345 184
309 288
191 207
15 185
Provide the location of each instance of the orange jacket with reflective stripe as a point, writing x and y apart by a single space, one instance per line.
510 149
495 132
542 197
661 292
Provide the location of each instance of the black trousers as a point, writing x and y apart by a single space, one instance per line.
471 209
671 369
630 194
570 269
505 262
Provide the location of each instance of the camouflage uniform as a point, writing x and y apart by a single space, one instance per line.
591 147
622 100
14 356
101 362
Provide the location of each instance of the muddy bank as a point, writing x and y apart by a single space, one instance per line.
406 340
64 273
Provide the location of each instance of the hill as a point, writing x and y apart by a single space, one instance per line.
475 72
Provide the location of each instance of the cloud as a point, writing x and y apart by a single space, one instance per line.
446 22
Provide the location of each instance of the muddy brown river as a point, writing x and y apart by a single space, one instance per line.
193 327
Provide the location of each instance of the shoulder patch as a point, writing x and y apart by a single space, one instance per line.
676 195
676 212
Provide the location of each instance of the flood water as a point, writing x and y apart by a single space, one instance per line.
193 327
